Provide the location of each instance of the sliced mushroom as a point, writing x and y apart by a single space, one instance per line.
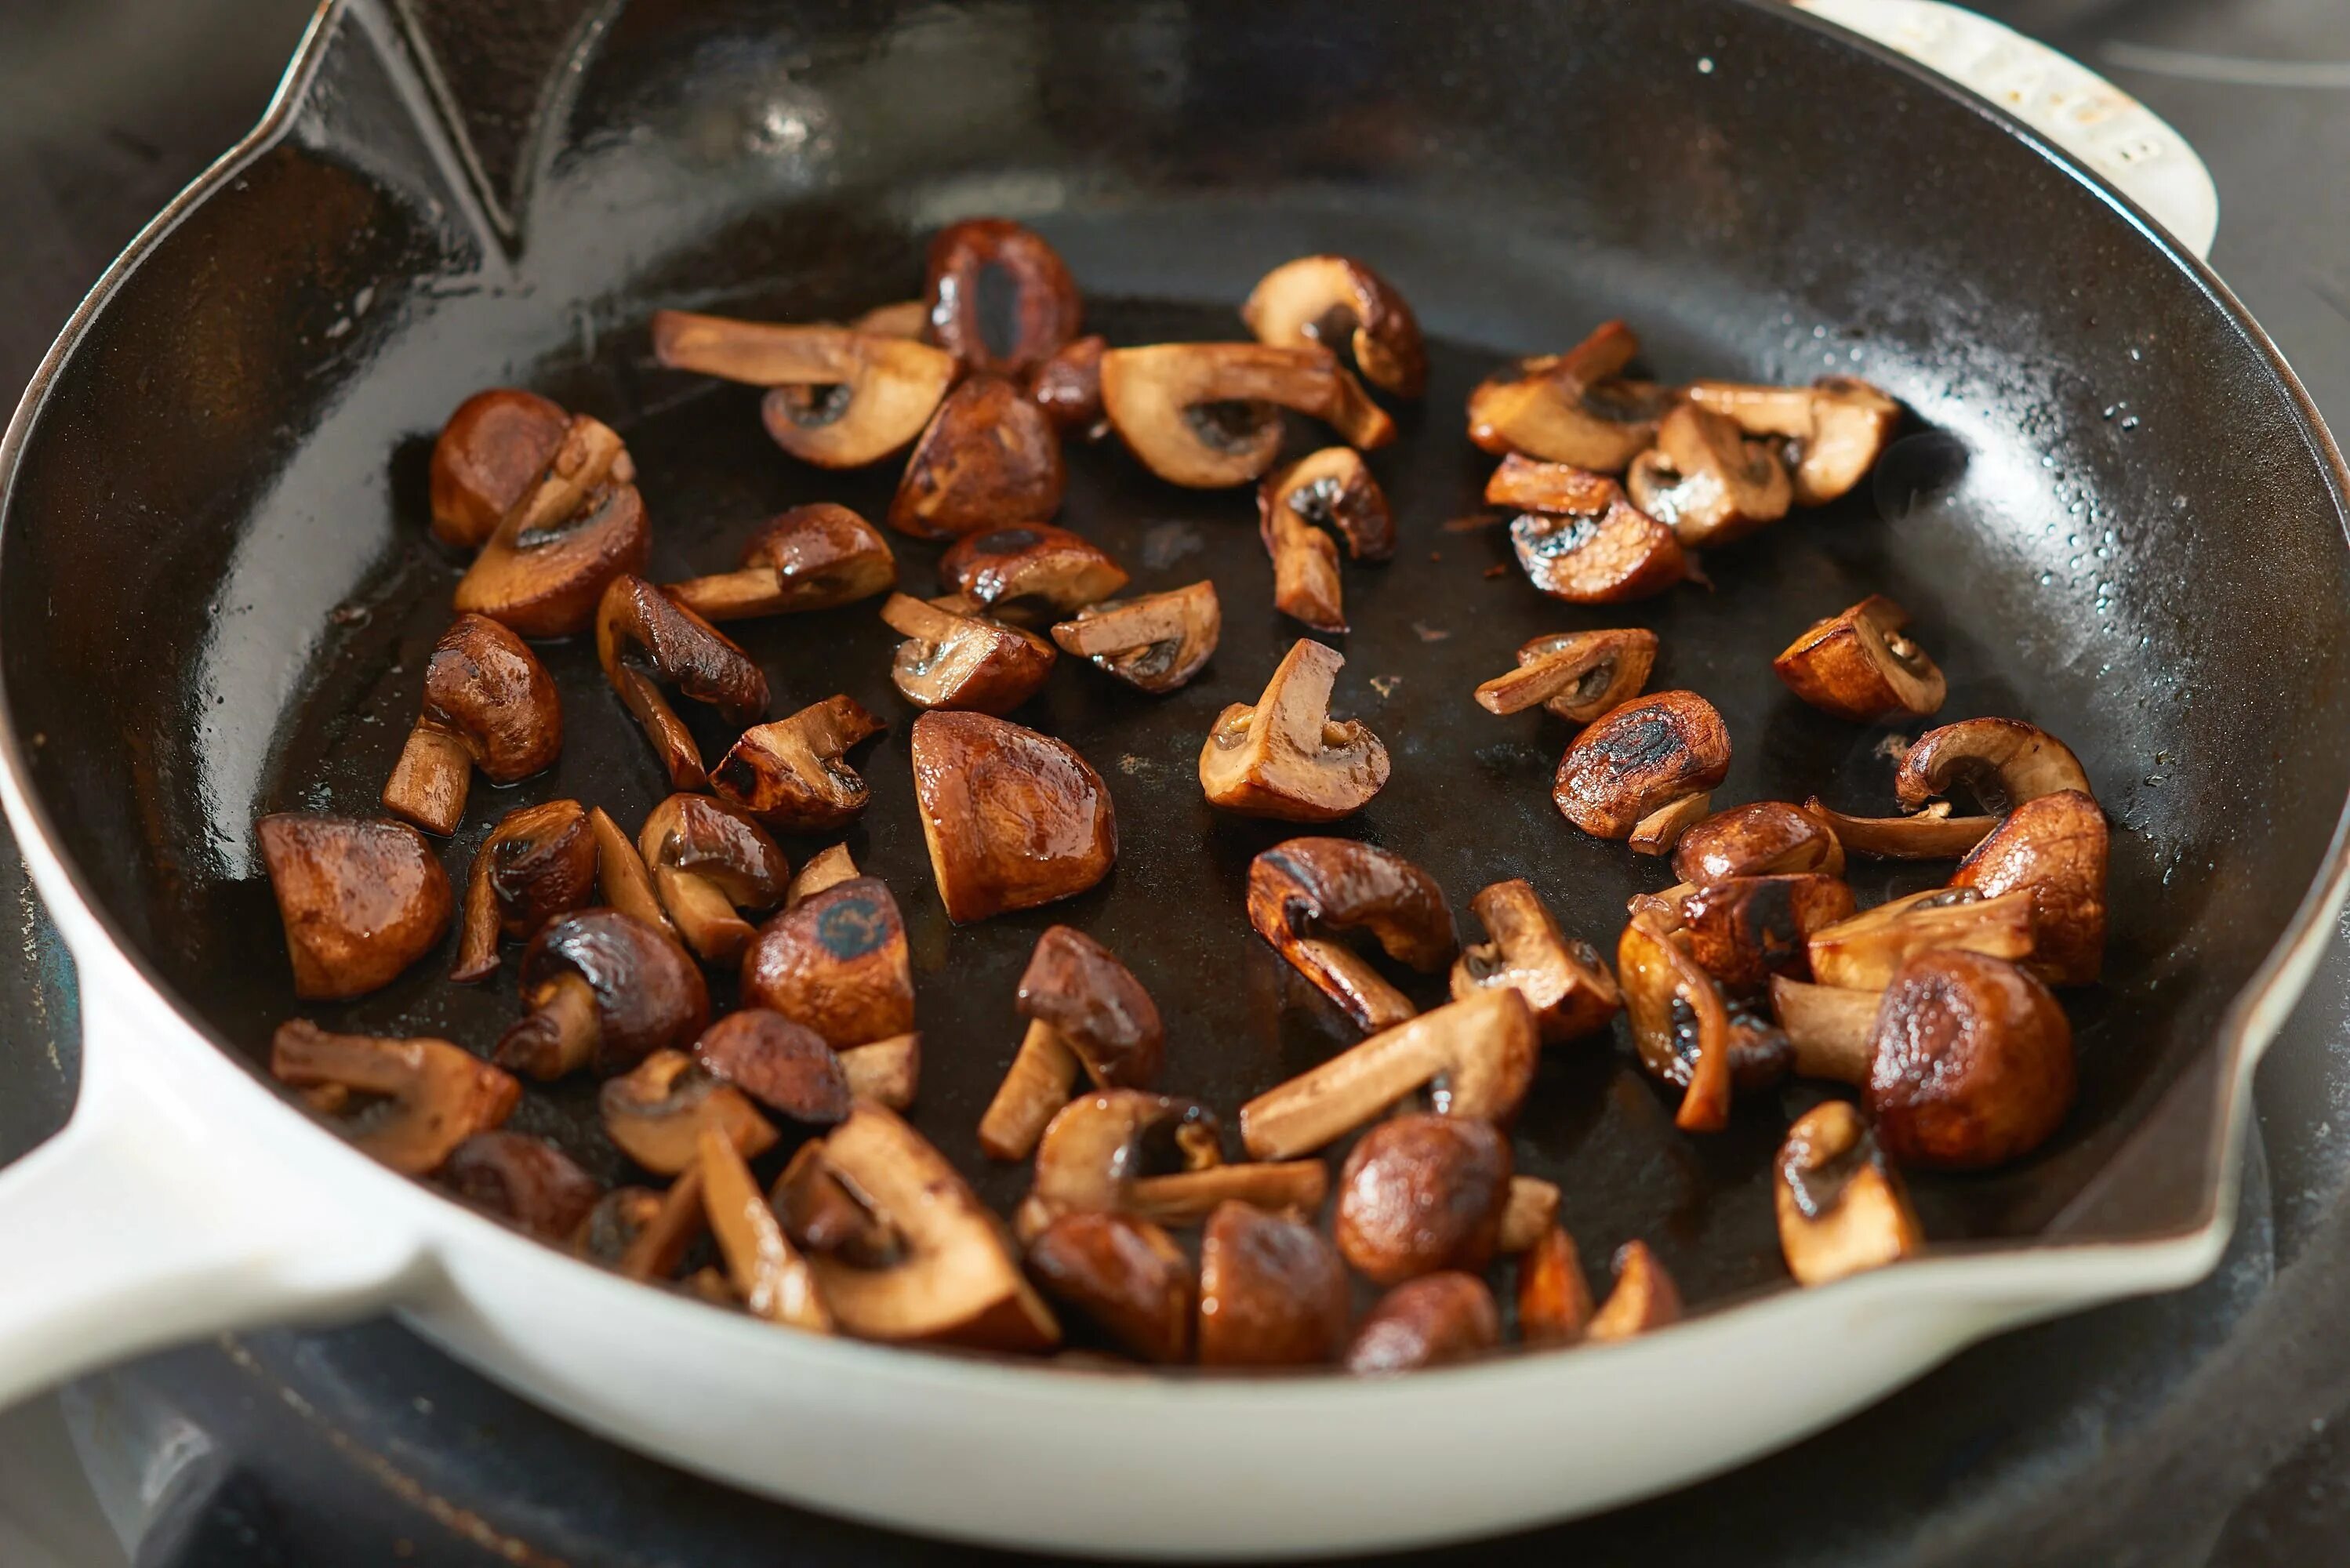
1744 929
840 399
490 453
886 1072
1035 1088
1305 583
988 459
1971 1064
1154 643
1283 756
2053 847
1762 839
1661 829
525 1181
1680 1023
1862 952
1156 1157
971 662
1013 819
1431 1321
1644 1297
1575 675
1571 408
1328 300
1858 665
621 877
809 558
488 704
1124 1275
835 962
1046 307
642 1233
1566 983
1835 429
708 859
1707 483
1303 891
1933 834
656 1112
954 1280
1206 414
1332 490
1553 1298
1422 1193
578 526
773 1281
1272 1292
2004 761
1030 568
785 1067
1827 1027
791 774
823 1212
605 987
643 639
1476 1058
1841 1208
1532 1210
1579 539
428 1095
538 862
1649 755
360 900
1084 1008
1067 387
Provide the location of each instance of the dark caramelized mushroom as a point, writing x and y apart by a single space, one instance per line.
525 1181
1272 1293
1084 1008
580 524
1283 756
1013 819
1680 1023
1970 1063
1933 834
657 1111
2053 846
1421 1193
1154 643
490 453
488 704
1124 1275
988 458
1570 408
809 558
1067 387
1333 489
644 639
2004 761
840 399
1475 1057
1302 888
431 1095
1841 1208
641 1233
538 862
1565 982
1575 675
1835 429
971 662
709 859
606 989
1045 310
1579 540
1329 300
1428 1322
1705 481
791 772
1028 569
1744 929
1644 1297
1858 665
362 899
1650 755
1861 953
835 962
1206 414
1762 839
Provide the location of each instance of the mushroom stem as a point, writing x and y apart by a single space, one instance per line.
559 1033
773 1280
1347 977
431 779
1188 1196
660 1247
1828 1027
1530 1213
713 929
1644 1297
886 1071
1032 1092
620 874
1657 833
827 867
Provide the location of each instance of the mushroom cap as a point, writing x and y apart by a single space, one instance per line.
1760 838
657 1110
1857 665
1306 582
785 1067
1971 1063
649 994
1431 1321
790 772
837 962
1332 489
1154 643
361 898
1419 1193
989 458
643 636
1003 567
1566 983
1575 675
439 1095
1648 753
1744 929
2055 846
1303 887
1203 414
1013 819
489 454
1570 408
484 684
1098 1145
538 862
1325 299
1841 1209
1094 1002
1124 1275
525 1181
1706 481
1283 756
971 662
1681 1023
1932 833
1067 387
813 558
2005 762
1580 540
581 524
1272 1292
1047 309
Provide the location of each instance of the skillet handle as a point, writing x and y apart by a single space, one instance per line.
2101 126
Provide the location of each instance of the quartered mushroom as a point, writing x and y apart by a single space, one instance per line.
835 962
1013 819
1283 756
791 772
1857 665
1841 1209
1706 481
1645 1298
1532 1209
1572 408
762 1269
538 862
602 989
1332 490
1743 930
973 662
1085 1009
645 1234
839 399
1566 983
1421 1193
1835 429
1475 1058
1155 1157
886 1072
710 860
2052 848
490 704
1553 1298
809 558
415 1100
362 899
1860 953
620 874
827 867
580 524
1577 537
1431 1321
1123 1275
1680 1023
989 457
644 640
1272 1292
525 1181
489 454
1644 771
1207 415
1030 570
1045 309
1761 838
1329 300
1932 833
2003 761
1303 893
656 1113
1067 387
1154 643
1575 675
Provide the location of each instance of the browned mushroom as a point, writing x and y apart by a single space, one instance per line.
1681 1025
605 987
620 874
772 1279
1476 1058
1655 753
1575 675
709 859
1013 819
835 962
490 453
1156 1157
525 1181
538 862
988 459
1827 1027
1030 570
899 318
809 558
1329 300
1835 429
841 398
1762 839
1644 1297
1305 583
580 524
2053 846
1841 1208
1154 643
1085 1009
1332 490
1553 1298
1706 481
421 1098
1303 891
362 899
1857 665
1124 1275
1272 1292
488 704
973 662
642 1233
1578 539
1045 309
785 1067
1419 1193
827 867
1565 982
657 1111
1207 415
2004 761
791 774
1431 1321
1572 408
1744 929
644 638
886 1072
1067 387
1860 953
1283 756
1933 834
1532 1209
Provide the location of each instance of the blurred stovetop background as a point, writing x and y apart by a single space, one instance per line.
2203 1427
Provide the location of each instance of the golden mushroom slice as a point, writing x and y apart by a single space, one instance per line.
360 900
1333 489
1206 415
840 399
621 877
1706 481
1565 982
538 862
1645 1297
809 558
1154 643
1329 300
899 318
2004 761
1862 952
1681 1025
827 867
1283 756
545 567
1644 771
1571 408
791 772
488 704
1578 539
1858 665
1013 819
1933 834
1553 1298
1084 1009
1575 675
656 1113
1157 1157
1836 429
644 639
886 1072
768 1275
1045 309
489 454
1761 838
1304 891
973 663
710 860
1029 570
2052 848
435 1095
1842 1210
989 457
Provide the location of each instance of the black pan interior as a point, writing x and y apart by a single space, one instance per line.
2110 514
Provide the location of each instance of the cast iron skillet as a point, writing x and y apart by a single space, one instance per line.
2115 512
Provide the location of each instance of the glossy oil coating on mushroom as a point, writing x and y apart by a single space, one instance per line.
488 704
1579 539
837 962
580 524
1332 300
809 558
1835 429
1841 1208
1013 818
1124 1276
1971 1063
432 1096
1302 893
989 457
1085 1009
1706 481
1272 1292
709 861
2053 846
1154 643
2003 761
1207 415
1576 676
1762 839
794 772
968 662
1046 310
644 640
1649 755
1858 665
1283 756
1572 408
1565 982
1030 568
1067 387
489 454
840 399
602 989
360 900
1421 1193
538 862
